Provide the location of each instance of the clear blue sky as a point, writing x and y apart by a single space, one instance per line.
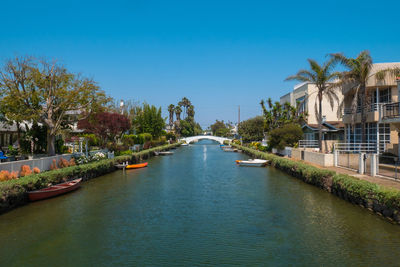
219 54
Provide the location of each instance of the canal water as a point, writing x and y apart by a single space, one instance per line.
196 208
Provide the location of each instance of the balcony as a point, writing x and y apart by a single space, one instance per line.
372 114
391 112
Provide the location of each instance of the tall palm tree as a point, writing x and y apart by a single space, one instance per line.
178 111
322 77
171 110
359 70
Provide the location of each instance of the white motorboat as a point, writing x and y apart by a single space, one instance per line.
252 162
184 144
165 153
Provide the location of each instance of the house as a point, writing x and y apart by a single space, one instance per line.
8 134
382 105
304 97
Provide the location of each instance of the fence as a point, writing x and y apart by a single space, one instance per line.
388 166
308 144
42 163
391 110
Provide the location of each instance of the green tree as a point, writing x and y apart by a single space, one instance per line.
149 120
322 77
252 129
48 94
287 135
355 77
178 111
220 128
171 111
277 115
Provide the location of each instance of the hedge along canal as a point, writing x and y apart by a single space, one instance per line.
383 201
13 193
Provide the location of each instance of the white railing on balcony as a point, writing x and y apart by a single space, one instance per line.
359 147
308 144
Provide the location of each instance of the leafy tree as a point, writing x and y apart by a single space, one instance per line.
47 93
277 115
355 78
286 135
106 125
252 129
321 76
149 120
220 128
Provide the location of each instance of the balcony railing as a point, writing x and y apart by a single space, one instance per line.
308 144
370 108
391 110
360 147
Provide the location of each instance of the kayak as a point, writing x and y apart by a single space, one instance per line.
54 190
137 166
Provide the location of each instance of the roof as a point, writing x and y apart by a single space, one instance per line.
328 126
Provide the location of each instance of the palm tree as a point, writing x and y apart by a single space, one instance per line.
322 77
355 78
185 103
178 111
171 110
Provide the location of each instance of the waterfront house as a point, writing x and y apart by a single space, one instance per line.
382 115
304 97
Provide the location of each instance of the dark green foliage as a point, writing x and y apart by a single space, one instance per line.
39 135
149 120
354 190
252 129
277 115
188 127
14 192
60 148
220 128
287 135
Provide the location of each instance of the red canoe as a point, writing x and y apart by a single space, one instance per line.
54 190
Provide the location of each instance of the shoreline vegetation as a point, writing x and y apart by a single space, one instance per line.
13 193
378 199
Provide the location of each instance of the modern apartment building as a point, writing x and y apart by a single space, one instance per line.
382 124
304 96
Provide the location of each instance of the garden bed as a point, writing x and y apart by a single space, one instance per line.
381 200
13 193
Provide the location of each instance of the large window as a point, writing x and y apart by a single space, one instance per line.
385 96
353 134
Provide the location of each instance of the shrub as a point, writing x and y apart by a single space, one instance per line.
287 135
25 170
6 175
72 162
62 163
53 165
36 170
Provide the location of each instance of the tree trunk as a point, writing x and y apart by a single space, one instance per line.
320 121
51 140
363 114
19 134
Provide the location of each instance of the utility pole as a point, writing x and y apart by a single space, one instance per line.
239 116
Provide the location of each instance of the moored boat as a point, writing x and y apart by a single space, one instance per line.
165 153
54 190
184 144
252 162
137 166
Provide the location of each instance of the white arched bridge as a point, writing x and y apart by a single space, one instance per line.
208 137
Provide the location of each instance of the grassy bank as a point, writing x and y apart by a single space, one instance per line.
381 200
13 193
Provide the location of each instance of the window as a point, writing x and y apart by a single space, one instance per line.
301 104
353 135
385 96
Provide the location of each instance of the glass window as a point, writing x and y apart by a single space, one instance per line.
301 104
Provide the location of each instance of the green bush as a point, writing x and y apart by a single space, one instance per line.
287 135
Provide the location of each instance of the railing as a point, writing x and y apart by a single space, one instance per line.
308 144
391 110
359 147
371 108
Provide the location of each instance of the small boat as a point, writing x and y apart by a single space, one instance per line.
137 166
252 162
165 153
121 166
54 190
184 144
156 153
229 149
